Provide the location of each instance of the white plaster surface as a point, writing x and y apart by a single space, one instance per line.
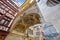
50 14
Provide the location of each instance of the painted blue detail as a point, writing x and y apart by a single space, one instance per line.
21 1
49 38
49 31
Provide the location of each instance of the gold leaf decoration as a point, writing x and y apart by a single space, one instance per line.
27 21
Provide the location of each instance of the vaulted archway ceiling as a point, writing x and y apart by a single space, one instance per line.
26 21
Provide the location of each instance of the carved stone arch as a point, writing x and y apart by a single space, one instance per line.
27 21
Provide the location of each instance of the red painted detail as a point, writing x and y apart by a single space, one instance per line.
8 12
5 6
4 1
3 34
2 16
13 3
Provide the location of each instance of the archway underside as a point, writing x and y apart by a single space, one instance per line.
26 21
